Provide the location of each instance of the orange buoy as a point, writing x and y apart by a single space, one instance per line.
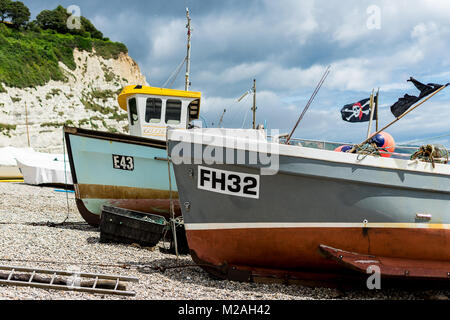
384 141
342 148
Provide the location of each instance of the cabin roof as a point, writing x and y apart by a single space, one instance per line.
154 91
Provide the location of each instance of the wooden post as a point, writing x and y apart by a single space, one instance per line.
372 109
26 124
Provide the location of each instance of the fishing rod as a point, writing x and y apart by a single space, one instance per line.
221 118
319 85
174 75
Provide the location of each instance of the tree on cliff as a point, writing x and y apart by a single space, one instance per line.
4 9
53 19
87 26
19 14
57 20
16 11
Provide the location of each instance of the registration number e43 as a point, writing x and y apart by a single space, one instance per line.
123 162
228 182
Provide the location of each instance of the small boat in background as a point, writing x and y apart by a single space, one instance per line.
44 168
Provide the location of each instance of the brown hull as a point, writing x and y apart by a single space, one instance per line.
154 206
295 253
138 199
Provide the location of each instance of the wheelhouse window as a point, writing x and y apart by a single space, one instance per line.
133 110
153 110
173 112
194 110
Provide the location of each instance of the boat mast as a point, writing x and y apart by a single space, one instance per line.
188 56
254 103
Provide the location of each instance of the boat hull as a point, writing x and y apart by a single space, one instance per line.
310 202
97 182
286 252
10 172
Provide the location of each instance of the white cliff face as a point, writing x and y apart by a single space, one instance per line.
88 100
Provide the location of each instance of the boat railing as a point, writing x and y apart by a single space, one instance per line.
401 151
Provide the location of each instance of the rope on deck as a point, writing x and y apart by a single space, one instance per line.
432 153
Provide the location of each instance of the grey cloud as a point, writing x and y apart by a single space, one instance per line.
286 45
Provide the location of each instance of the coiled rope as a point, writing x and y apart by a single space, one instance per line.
369 149
431 153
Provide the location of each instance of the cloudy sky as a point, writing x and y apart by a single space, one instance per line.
286 46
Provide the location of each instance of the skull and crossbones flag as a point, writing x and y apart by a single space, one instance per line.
357 112
407 101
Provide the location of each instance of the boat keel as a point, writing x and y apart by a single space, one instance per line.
390 267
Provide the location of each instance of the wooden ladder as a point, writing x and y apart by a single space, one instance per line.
66 280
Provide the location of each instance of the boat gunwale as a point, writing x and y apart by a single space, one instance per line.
117 137
311 153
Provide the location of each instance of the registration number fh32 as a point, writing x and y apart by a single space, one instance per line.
228 182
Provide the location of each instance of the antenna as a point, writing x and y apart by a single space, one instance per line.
319 85
253 109
221 118
174 75
188 56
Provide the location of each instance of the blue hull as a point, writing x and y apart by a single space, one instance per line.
119 170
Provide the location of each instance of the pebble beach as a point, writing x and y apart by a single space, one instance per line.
31 236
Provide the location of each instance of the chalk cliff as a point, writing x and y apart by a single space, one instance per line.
87 99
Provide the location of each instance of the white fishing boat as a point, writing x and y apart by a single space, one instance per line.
44 168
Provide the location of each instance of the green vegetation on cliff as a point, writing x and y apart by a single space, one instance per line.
6 128
30 52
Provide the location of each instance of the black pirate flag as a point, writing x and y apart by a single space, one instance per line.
357 112
407 101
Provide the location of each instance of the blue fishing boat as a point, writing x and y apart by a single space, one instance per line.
130 171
